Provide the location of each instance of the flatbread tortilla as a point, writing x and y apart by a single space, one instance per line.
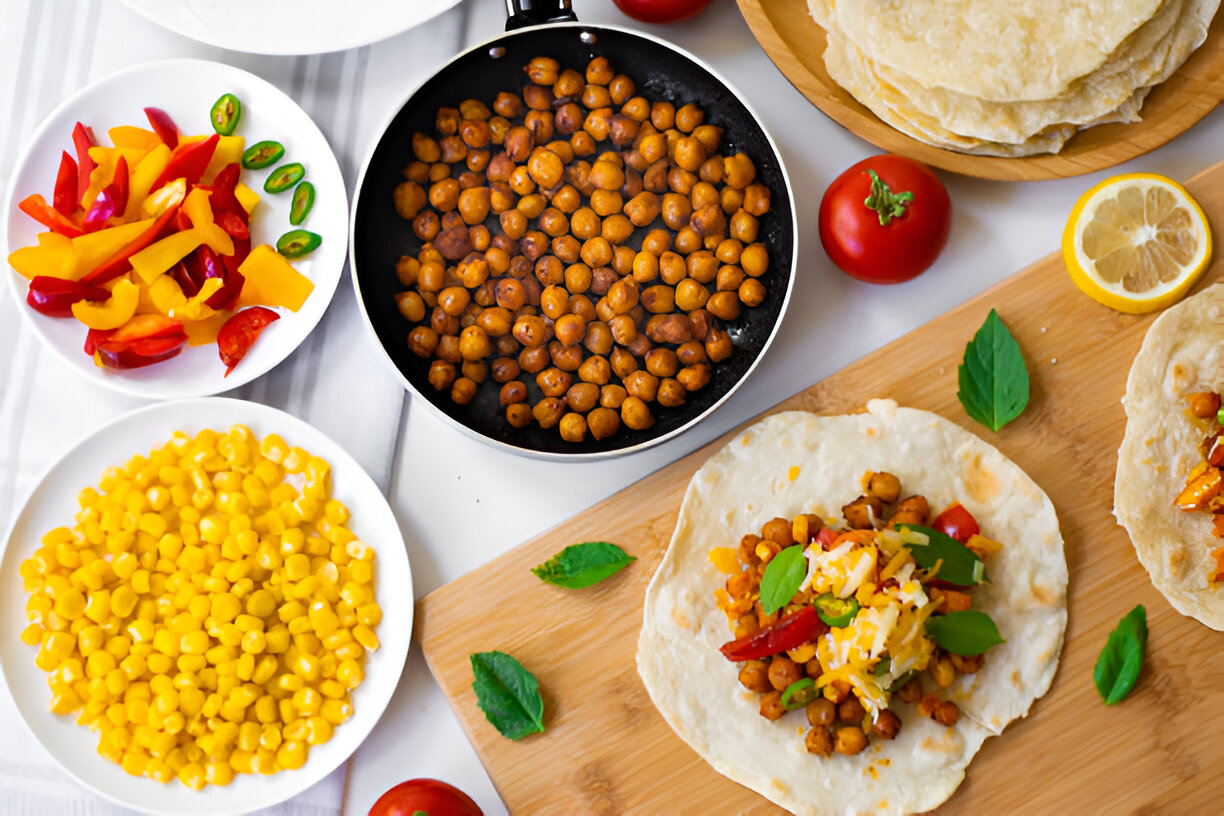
752 480
1182 353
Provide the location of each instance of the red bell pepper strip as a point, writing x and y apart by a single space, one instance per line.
118 263
242 248
66 197
956 522
155 351
163 126
93 338
55 296
203 263
786 633
111 199
227 180
826 537
82 139
184 280
240 332
188 162
37 208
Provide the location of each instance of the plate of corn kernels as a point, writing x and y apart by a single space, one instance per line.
204 607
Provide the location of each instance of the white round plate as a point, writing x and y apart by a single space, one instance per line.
53 503
187 89
288 26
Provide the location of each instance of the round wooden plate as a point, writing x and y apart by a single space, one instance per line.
796 44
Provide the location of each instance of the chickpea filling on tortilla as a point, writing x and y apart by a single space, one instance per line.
1204 490
846 618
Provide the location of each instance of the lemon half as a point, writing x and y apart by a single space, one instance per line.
1136 242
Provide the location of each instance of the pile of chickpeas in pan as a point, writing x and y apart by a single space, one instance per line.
622 240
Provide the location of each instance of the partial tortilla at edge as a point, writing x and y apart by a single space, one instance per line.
1183 352
745 484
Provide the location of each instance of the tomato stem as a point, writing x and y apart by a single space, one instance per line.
885 202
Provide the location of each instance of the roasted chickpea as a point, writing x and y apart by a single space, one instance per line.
754 676
497 321
615 229
607 176
553 222
569 329
849 740
475 133
850 710
598 123
690 353
451 220
545 167
409 198
756 199
966 664
596 96
573 427
744 226
884 486
518 414
739 171
422 341
474 343
406 270
553 382
599 71
425 148
567 199
691 295
771 705
612 396
513 224
596 251
656 242
582 397
661 362
751 292
689 153
911 510
548 412
444 195
441 375
636 414
672 269
946 713
641 384
688 118
562 148
453 300
447 121
432 277
623 362
709 220
677 210
694 377
603 422
567 249
453 150
566 358
602 277
508 105
518 143
623 130
782 672
821 713
533 360
755 260
531 331
554 301
654 178
606 202
653 148
538 98
671 393
569 83
533 245
724 305
411 306
623 329
729 279
718 345
475 370
663 115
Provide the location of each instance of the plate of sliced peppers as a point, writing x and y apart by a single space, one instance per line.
176 229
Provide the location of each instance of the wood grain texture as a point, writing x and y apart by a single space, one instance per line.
607 750
795 43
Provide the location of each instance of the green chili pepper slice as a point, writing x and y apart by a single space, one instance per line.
303 200
882 667
1220 417
284 177
262 154
226 112
799 693
296 243
836 611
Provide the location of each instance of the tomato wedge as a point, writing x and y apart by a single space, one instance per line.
239 333
956 522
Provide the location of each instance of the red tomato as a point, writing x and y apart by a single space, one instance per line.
661 11
901 236
425 796
956 522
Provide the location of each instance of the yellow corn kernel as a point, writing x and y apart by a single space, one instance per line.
361 571
289 682
253 643
152 523
193 776
296 729
70 604
290 610
158 770
297 566
307 701
350 651
58 645
277 639
218 772
160 663
350 673
38 608
99 664
32 635
292 754
248 736
365 636
285 708
242 761
323 618
194 643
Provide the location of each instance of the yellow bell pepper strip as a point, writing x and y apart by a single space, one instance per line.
143 176
164 197
196 307
54 256
92 249
133 137
247 197
228 151
158 257
120 262
272 281
112 312
204 332
200 213
110 200
107 169
165 295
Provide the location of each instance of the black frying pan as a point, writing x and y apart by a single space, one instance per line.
660 72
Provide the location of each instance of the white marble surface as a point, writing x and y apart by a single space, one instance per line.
459 503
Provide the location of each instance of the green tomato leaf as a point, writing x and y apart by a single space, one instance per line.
1117 667
960 566
580 565
994 384
783 575
508 694
963 633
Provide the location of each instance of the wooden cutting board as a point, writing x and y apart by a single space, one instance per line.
791 38
606 749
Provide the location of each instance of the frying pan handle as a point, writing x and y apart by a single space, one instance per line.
523 13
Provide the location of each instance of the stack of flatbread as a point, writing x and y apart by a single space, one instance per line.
1001 78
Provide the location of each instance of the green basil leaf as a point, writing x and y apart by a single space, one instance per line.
580 565
963 633
508 694
961 565
783 575
1117 667
994 384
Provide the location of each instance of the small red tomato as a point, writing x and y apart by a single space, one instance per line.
427 796
885 219
661 11
956 522
239 332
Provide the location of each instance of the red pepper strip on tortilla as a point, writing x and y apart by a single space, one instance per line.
786 633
